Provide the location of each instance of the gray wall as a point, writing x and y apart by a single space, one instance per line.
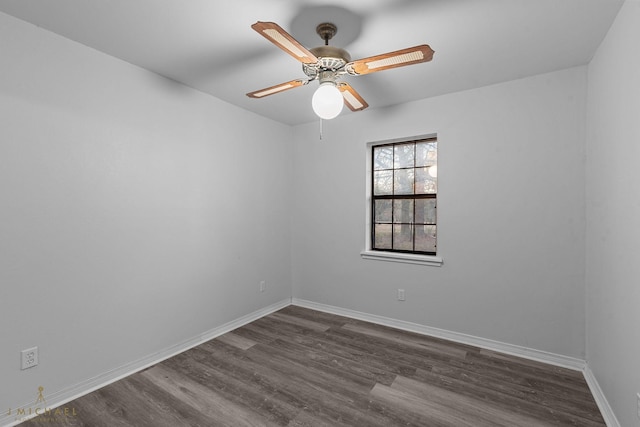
135 213
613 215
510 211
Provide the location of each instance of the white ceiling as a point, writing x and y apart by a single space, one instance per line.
210 46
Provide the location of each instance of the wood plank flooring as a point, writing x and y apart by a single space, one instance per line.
299 367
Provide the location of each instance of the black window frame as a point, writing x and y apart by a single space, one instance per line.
394 197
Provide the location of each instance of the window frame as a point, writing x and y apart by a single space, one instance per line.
410 257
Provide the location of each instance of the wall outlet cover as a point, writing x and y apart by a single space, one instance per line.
29 358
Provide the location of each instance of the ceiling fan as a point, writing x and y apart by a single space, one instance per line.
328 64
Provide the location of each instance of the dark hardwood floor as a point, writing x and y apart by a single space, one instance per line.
299 367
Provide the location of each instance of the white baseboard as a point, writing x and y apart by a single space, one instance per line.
601 400
514 350
59 398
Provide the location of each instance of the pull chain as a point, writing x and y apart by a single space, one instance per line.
320 129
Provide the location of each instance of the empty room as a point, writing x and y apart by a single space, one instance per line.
307 213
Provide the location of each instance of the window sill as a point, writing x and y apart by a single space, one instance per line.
430 260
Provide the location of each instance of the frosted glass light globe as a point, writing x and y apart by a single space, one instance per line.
327 101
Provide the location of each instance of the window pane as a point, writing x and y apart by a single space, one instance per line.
403 181
383 211
382 182
404 189
403 237
426 154
426 238
425 183
403 156
425 211
403 210
382 236
382 157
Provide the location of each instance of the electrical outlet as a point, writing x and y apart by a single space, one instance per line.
400 294
263 285
29 358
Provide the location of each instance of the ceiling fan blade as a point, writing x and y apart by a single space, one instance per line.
354 101
277 88
276 35
399 58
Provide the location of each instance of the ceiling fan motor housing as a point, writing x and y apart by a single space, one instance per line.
330 58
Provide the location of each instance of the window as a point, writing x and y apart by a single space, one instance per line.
404 186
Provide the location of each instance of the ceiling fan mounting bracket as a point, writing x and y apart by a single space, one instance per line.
326 31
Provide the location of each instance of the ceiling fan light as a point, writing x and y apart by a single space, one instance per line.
327 101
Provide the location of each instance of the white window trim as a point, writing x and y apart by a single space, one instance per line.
434 261
367 253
